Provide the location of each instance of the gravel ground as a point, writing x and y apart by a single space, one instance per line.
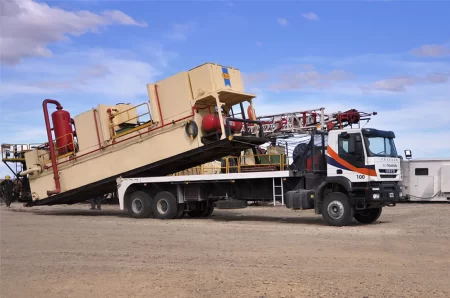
71 251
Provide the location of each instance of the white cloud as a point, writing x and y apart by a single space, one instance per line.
254 78
180 32
162 56
89 72
310 79
431 50
310 16
419 126
283 21
297 78
399 83
25 134
425 112
28 27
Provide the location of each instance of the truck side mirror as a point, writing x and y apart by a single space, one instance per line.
408 154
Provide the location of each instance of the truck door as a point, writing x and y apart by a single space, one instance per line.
350 159
424 183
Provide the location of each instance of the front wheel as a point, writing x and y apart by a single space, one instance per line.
368 216
336 209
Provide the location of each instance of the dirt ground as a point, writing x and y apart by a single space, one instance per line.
71 251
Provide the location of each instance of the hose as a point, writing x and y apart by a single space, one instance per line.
422 198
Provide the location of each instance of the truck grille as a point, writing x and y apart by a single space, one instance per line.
388 176
389 171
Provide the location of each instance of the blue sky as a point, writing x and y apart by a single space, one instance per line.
392 57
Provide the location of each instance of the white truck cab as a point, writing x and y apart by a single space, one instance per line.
363 155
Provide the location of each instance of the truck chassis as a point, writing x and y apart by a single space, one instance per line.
171 197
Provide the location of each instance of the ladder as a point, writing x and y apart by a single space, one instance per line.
280 187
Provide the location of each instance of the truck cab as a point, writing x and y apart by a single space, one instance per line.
363 155
363 174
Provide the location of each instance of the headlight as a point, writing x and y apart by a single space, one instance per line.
376 196
400 194
376 188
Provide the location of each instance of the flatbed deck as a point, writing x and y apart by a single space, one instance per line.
209 177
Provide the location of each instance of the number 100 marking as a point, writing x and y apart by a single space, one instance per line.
360 176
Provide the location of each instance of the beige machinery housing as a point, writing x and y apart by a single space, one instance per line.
166 134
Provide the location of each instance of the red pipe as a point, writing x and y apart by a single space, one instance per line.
159 106
50 143
96 127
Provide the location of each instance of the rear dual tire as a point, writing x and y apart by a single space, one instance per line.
139 205
163 206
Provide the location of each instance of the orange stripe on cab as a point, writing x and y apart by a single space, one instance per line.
363 171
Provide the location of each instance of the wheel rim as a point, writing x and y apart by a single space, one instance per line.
162 206
137 206
335 209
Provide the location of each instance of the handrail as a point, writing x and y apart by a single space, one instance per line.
239 166
21 149
112 125
67 153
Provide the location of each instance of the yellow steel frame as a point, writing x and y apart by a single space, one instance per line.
112 125
71 153
239 165
68 153
7 147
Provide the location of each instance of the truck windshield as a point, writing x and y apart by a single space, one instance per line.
380 146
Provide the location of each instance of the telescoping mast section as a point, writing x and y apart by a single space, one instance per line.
85 154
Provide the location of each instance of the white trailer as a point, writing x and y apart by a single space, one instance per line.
426 180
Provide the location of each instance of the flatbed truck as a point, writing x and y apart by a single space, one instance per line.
341 174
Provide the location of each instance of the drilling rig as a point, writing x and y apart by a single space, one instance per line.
84 154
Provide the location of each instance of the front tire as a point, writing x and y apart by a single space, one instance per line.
336 209
368 216
139 205
164 205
